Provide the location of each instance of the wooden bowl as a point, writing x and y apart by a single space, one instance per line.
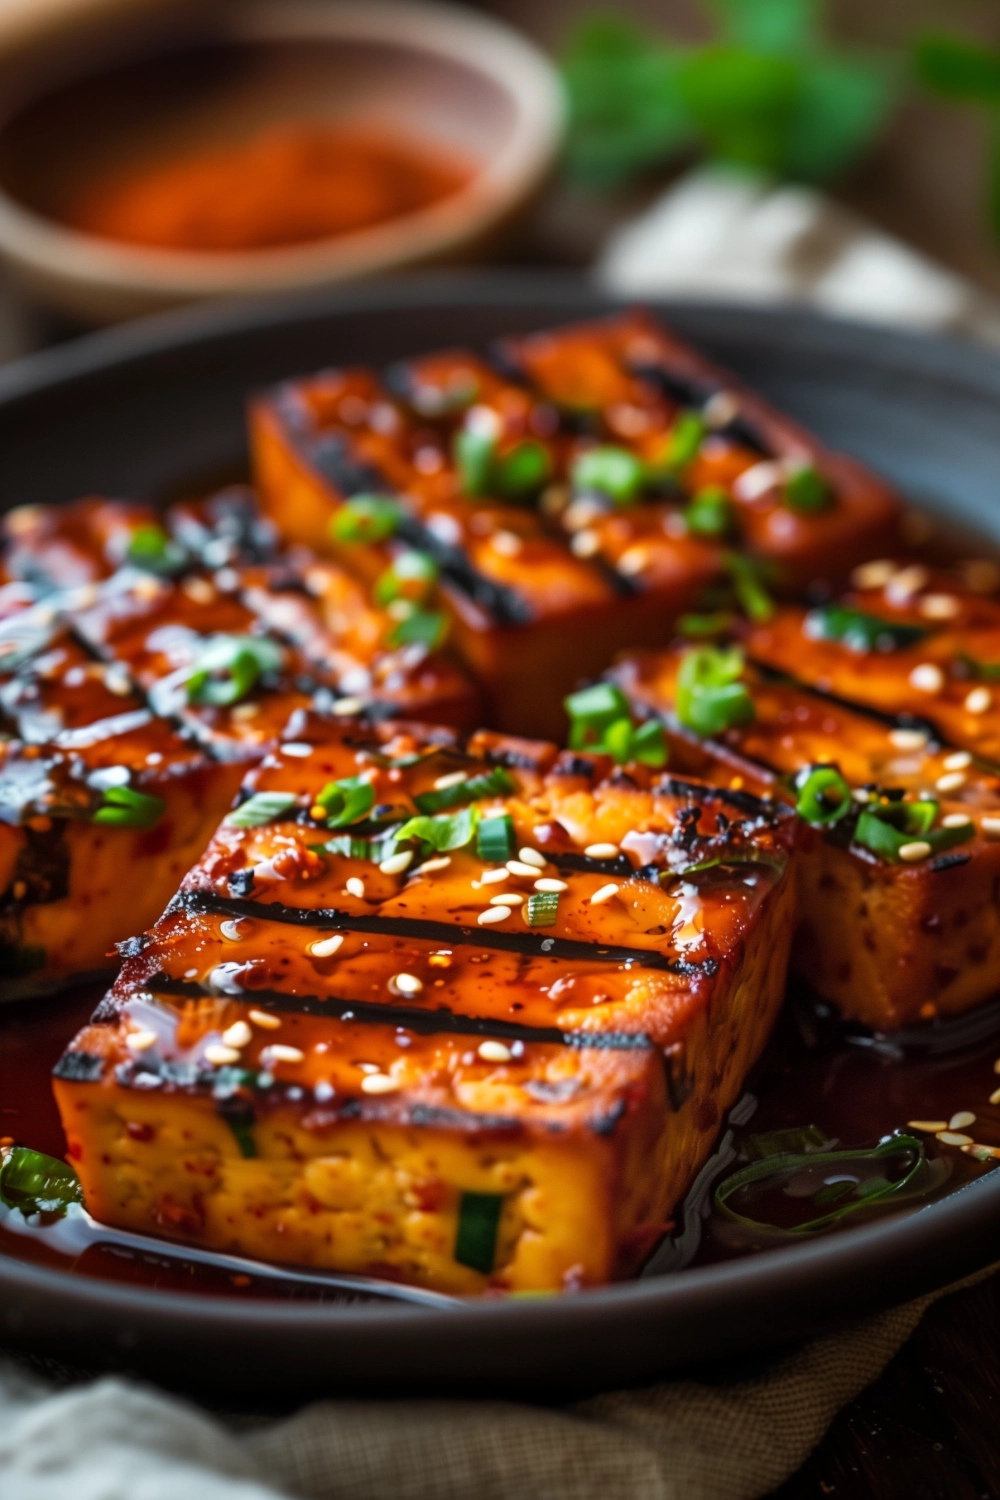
139 90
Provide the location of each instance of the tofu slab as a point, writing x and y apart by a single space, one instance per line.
332 1055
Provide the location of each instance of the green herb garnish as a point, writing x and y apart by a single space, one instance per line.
858 631
261 808
710 513
228 667
443 832
365 518
748 585
346 801
543 909
478 1223
710 696
410 576
601 721
824 796
494 783
611 471
473 450
684 441
424 627
122 807
705 627
885 827
807 492
151 549
483 470
37 1184
495 838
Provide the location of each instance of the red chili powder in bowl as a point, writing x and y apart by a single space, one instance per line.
285 185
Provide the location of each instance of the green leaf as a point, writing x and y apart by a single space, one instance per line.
859 631
35 1183
591 711
152 550
611 471
751 595
649 744
365 518
543 909
495 839
425 627
710 514
473 450
443 832
410 576
710 697
769 25
228 667
346 801
478 1223
123 807
885 827
261 808
959 69
824 796
684 441
494 783
522 471
807 492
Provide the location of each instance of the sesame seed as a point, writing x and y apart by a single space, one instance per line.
908 739
325 947
493 914
978 701
929 1127
518 867
345 707
634 560
494 1052
141 1041
990 827
861 794
956 820
720 409
757 480
116 680
369 1068
493 877
510 898
219 1056
873 575
231 932
585 543
405 984
199 590
397 863
453 778
911 853
954 1138
961 1120
244 712
927 678
581 513
265 1019
532 857
430 865
190 973
950 782
297 750
903 585
550 885
939 607
601 851
355 887
237 1035
278 1052
379 1083
604 894
958 761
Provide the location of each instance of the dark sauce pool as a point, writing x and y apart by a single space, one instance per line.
854 1089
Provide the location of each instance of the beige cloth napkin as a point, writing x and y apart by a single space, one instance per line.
685 1439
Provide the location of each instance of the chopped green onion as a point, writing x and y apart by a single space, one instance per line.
988 671
411 576
228 667
684 441
35 1183
494 783
478 1223
859 631
592 711
123 807
753 598
152 550
706 626
351 848
807 492
261 808
365 518
710 696
473 451
422 627
611 471
789 1188
885 827
495 838
649 744
240 1118
442 833
710 513
522 471
824 796
346 801
543 909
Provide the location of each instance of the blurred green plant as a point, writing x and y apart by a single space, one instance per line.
969 73
768 92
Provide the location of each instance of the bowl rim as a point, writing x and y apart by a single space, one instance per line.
865 1268
479 43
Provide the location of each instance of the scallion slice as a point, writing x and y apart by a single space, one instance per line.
228 667
35 1183
824 796
592 711
885 827
522 471
152 550
710 696
346 801
123 807
807 492
542 909
365 518
710 513
423 627
859 631
684 441
748 585
441 833
615 472
261 808
473 450
411 576
478 1223
495 838
494 783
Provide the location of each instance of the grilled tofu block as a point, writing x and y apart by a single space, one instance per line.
572 497
468 1015
890 938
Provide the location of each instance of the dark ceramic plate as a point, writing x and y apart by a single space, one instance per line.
142 411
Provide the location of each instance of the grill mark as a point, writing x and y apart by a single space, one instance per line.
412 1018
685 390
675 786
503 605
534 945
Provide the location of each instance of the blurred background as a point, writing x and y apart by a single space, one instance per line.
154 153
